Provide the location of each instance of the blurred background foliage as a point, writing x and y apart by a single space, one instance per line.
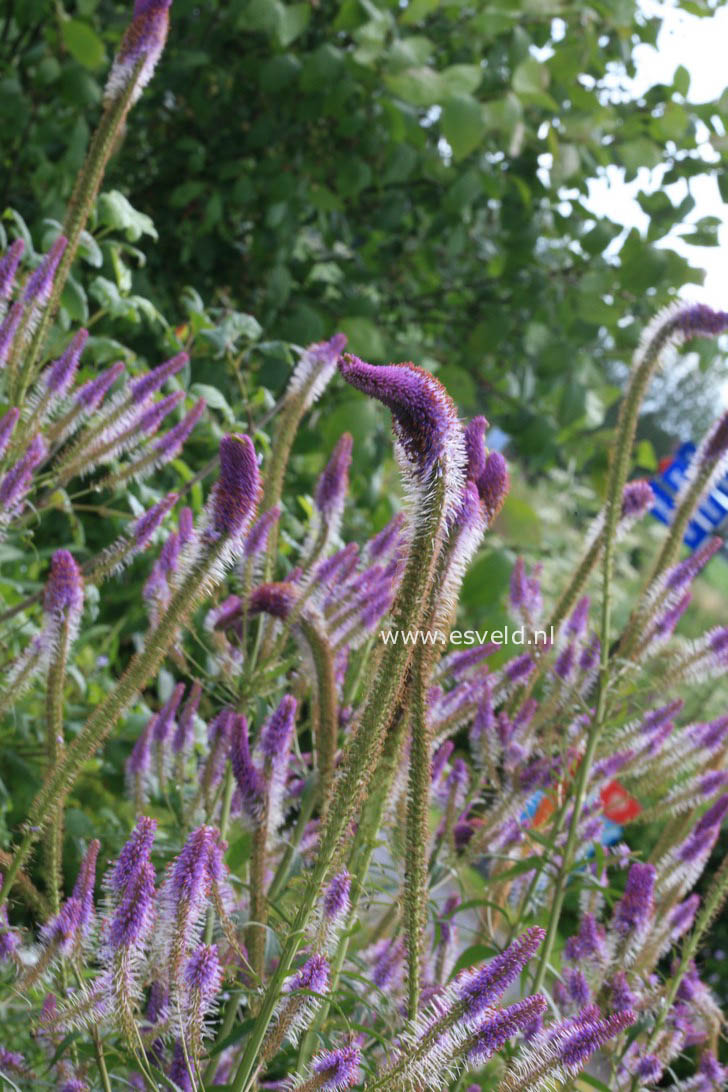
413 173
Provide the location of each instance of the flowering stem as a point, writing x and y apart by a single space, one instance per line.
258 901
417 833
100 724
619 468
85 191
55 746
324 711
359 761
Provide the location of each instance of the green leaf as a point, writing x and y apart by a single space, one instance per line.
365 338
463 124
117 212
419 86
291 22
214 398
530 77
461 79
83 43
417 10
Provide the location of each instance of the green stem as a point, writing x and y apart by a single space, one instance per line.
359 761
85 192
55 746
417 832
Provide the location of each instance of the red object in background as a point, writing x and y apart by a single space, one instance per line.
618 805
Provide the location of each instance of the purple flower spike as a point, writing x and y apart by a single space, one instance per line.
257 538
133 917
275 737
164 721
7 426
136 851
685 571
178 1071
147 524
475 449
186 723
583 1038
170 445
637 499
9 266
484 986
60 374
40 283
500 1026
91 394
423 415
63 593
84 886
276 599
151 419
313 975
9 329
683 916
203 972
622 997
247 775
185 525
333 483
699 320
147 384
385 540
577 622
16 482
315 368
336 897
493 484
236 492
140 49
337 1069
633 912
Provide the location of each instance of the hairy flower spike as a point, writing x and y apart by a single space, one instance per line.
147 384
8 268
91 394
485 985
314 370
337 1069
633 912
237 490
133 854
140 49
59 375
63 593
8 330
7 426
147 524
333 483
40 283
493 484
424 419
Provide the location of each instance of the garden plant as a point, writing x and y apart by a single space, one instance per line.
361 848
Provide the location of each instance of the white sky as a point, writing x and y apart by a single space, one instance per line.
701 45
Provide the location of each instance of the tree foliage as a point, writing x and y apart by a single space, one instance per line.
413 173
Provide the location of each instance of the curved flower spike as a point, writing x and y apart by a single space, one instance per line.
424 417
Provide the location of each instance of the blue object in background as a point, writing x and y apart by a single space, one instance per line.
710 516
